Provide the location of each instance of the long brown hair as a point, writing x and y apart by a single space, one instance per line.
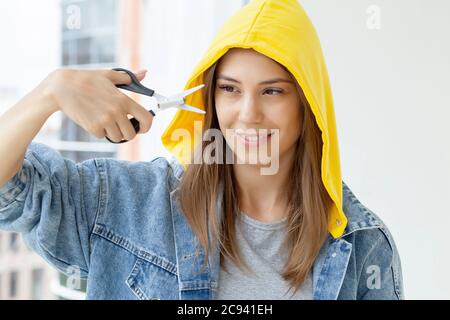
308 200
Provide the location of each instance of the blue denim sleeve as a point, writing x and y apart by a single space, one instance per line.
381 277
53 201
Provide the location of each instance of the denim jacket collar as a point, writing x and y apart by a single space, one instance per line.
194 281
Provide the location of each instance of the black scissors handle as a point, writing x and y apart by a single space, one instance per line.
134 86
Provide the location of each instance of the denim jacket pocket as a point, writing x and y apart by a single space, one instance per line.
151 282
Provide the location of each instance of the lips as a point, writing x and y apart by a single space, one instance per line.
254 139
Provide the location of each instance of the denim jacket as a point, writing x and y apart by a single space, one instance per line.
119 224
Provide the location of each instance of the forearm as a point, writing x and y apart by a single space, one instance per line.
19 126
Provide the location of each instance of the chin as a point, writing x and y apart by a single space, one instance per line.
252 158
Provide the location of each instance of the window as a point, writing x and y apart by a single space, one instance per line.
13 279
89 31
36 284
88 42
14 242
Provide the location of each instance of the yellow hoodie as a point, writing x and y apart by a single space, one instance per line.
281 30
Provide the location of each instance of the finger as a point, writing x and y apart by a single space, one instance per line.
126 128
113 132
141 114
141 75
120 77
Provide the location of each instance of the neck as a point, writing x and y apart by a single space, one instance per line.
264 197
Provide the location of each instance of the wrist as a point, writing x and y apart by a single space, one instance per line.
48 102
45 99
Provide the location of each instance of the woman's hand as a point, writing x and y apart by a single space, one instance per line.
91 99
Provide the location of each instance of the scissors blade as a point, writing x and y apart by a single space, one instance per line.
190 108
185 93
177 101
160 98
192 90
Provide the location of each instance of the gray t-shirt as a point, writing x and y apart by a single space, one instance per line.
261 245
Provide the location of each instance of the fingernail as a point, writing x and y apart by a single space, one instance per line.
140 72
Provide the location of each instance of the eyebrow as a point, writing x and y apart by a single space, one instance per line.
275 80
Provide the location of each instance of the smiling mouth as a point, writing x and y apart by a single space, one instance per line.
254 134
254 139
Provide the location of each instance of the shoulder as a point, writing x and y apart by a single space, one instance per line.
135 204
49 160
362 220
156 172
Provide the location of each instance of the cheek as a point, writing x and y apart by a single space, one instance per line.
222 117
225 115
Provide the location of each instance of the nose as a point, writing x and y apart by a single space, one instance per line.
250 111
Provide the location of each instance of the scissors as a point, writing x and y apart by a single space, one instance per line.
175 101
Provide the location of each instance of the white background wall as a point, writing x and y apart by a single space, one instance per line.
392 99
30 48
30 44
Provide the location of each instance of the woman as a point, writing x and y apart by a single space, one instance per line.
178 229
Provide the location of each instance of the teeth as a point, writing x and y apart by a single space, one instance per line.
255 138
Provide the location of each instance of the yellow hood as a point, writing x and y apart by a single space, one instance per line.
281 30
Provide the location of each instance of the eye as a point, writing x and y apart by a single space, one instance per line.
226 88
274 90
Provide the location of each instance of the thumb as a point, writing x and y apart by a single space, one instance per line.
120 77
